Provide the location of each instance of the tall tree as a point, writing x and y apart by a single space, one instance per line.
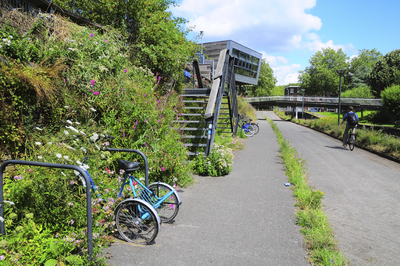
361 66
385 73
321 78
266 82
156 38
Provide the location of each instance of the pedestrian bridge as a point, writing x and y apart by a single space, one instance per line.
325 102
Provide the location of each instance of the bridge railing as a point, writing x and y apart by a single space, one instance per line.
333 100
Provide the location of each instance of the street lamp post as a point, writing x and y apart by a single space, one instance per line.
302 107
341 73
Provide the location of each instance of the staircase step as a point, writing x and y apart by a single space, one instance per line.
192 114
194 153
194 101
195 145
194 137
193 128
197 108
200 91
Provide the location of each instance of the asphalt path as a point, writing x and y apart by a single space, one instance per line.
244 218
361 194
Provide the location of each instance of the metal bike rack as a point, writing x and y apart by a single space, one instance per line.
146 165
54 165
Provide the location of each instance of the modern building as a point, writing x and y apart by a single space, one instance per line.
247 61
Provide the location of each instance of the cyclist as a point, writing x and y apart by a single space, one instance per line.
352 122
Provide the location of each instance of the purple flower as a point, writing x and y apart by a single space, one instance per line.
163 169
123 136
126 70
1 257
91 34
144 95
72 221
96 93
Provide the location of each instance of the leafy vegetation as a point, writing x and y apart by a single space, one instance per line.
315 227
385 73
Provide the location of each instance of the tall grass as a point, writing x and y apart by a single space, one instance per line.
317 233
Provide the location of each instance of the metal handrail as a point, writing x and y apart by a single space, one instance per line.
375 102
54 165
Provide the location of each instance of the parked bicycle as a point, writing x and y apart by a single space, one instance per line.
163 199
248 127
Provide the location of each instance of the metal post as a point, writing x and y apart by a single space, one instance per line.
54 165
340 72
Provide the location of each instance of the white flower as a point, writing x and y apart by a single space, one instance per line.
72 49
94 137
74 129
78 162
10 36
66 157
83 149
69 122
66 132
38 128
9 202
38 143
77 123
66 106
82 133
49 142
39 157
94 110
63 173
58 155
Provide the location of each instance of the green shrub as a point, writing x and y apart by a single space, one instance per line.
218 163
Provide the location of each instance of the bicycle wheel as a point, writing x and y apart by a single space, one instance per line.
169 208
248 130
256 128
352 142
136 222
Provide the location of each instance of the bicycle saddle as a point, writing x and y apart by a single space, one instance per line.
128 166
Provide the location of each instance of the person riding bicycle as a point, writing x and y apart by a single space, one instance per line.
352 122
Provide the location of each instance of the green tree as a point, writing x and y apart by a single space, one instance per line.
266 82
321 78
385 73
362 91
157 40
391 101
361 66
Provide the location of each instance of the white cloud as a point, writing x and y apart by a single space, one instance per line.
273 25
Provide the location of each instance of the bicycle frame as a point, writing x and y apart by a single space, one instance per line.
142 192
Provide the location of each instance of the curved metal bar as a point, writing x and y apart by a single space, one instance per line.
146 165
54 165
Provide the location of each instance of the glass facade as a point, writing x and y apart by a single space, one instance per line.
245 64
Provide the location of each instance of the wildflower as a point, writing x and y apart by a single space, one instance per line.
96 93
66 132
1 257
72 182
58 155
71 204
38 143
91 35
163 169
72 222
94 110
38 128
126 70
69 122
39 157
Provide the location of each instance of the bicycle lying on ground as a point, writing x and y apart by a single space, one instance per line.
138 219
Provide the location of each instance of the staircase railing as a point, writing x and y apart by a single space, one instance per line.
223 85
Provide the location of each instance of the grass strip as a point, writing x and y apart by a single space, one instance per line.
317 232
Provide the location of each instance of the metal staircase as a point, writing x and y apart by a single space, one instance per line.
207 111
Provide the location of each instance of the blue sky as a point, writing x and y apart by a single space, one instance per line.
289 32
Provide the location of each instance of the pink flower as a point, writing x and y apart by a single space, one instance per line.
105 40
96 93
163 169
126 70
91 34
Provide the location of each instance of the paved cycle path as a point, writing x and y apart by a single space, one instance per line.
362 194
244 218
